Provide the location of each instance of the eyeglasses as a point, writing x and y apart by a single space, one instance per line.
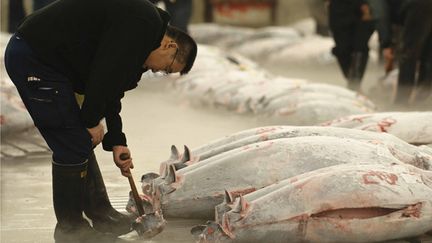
168 69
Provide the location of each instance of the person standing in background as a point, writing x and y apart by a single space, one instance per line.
180 11
351 25
415 54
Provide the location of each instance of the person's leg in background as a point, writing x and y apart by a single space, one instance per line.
342 51
343 38
424 80
415 34
180 11
50 100
360 54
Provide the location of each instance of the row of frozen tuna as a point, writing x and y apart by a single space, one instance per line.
412 127
236 83
282 47
273 45
295 184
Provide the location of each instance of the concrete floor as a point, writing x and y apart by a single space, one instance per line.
154 119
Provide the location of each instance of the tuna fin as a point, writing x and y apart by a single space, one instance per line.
171 176
164 168
241 207
174 153
186 155
228 197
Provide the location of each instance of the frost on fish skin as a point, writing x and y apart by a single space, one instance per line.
343 203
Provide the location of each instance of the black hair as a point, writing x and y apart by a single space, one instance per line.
187 47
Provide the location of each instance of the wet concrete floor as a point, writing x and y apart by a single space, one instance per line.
154 119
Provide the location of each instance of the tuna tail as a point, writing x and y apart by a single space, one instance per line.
168 184
175 156
224 207
186 157
242 207
174 153
228 197
149 177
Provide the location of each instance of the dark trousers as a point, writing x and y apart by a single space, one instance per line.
416 46
350 34
180 11
49 98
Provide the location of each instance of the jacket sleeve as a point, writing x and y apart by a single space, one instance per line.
121 52
114 124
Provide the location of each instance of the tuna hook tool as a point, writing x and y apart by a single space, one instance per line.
135 194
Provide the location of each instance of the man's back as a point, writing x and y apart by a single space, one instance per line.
70 32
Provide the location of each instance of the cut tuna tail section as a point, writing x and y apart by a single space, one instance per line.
185 158
174 153
242 207
228 197
186 155
224 207
175 156
171 176
147 182
149 177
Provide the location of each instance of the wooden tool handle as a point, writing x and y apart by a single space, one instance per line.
135 194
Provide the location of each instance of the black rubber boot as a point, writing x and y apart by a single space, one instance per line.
98 207
356 70
68 194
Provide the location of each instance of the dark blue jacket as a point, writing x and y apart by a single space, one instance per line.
101 45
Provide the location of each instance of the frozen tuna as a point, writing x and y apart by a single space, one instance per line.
400 124
343 203
404 151
194 191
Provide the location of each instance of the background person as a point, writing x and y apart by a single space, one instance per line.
351 26
415 54
180 11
